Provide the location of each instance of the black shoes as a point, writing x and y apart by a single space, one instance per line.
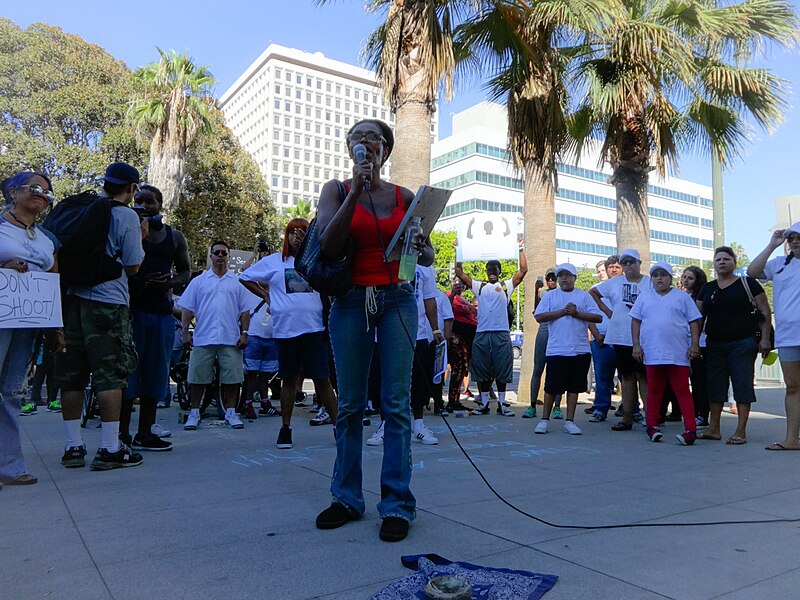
74 457
106 461
151 443
334 517
284 438
394 529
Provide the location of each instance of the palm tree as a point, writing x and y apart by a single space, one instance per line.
173 108
518 41
670 76
412 52
302 210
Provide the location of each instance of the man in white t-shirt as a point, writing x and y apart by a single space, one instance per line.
221 309
568 312
615 298
492 354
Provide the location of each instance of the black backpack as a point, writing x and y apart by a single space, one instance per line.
81 223
511 313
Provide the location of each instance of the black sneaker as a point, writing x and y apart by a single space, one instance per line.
74 457
151 443
393 529
483 410
285 438
334 517
106 461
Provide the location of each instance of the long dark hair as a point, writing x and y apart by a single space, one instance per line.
700 279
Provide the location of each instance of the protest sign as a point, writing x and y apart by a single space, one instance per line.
487 236
31 299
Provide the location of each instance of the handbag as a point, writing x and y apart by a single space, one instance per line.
757 314
329 277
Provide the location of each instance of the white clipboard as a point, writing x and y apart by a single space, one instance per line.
428 204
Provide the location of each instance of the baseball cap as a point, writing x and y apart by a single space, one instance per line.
630 252
121 173
661 265
567 267
795 228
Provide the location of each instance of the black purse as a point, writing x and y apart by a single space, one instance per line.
329 277
757 316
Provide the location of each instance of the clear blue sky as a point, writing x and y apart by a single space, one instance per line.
229 35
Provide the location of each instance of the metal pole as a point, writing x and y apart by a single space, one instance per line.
718 201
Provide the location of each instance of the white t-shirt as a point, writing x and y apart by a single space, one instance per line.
257 327
567 336
493 305
295 307
786 300
602 326
15 243
424 289
619 294
665 336
444 310
217 303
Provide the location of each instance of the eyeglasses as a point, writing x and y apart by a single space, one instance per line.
38 190
369 136
220 253
793 238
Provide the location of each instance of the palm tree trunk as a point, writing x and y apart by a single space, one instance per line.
166 171
411 158
633 228
540 250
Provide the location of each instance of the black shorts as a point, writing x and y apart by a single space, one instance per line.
305 355
626 364
566 374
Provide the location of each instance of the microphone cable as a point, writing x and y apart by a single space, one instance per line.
498 495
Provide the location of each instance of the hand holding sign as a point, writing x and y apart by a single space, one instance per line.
31 299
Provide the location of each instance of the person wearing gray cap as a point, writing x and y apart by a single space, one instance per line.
97 328
615 298
568 311
784 272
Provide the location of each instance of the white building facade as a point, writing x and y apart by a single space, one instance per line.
291 110
473 163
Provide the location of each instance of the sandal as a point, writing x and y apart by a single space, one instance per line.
736 440
622 426
24 479
708 436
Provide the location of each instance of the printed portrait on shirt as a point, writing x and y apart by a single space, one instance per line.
295 284
630 291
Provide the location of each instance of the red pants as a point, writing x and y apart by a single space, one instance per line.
678 377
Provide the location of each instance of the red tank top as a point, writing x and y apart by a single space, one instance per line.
368 265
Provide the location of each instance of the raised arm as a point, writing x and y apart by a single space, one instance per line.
756 267
523 266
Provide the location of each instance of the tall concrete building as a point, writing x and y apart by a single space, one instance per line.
473 163
291 109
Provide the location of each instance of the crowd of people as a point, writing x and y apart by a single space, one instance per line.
377 349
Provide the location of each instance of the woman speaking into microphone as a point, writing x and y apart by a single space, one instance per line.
368 211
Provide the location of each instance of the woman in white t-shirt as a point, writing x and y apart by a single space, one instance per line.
24 247
784 272
297 326
665 330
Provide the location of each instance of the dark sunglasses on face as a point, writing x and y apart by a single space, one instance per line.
370 136
220 253
793 238
627 261
37 190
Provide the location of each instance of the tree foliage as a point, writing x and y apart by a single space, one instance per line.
62 107
224 196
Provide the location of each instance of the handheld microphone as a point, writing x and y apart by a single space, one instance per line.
360 154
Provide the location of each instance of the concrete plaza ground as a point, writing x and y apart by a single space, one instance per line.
227 515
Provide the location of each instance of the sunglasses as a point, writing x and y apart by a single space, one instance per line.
793 238
369 136
37 190
627 261
220 253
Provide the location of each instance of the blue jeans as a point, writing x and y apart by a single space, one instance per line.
734 362
352 337
16 347
153 336
605 363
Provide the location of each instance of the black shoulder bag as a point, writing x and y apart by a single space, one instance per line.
329 277
757 315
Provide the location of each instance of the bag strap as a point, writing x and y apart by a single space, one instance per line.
258 308
749 292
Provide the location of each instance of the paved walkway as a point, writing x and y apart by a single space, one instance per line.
227 515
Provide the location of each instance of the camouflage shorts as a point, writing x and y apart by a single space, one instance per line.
99 341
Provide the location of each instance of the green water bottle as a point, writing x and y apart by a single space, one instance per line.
409 257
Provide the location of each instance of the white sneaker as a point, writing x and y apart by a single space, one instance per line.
423 435
158 431
192 421
541 426
233 420
376 439
571 428
257 397
322 418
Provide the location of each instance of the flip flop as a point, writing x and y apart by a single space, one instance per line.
776 446
24 479
708 436
735 440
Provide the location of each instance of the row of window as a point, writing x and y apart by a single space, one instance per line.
329 86
598 225
501 153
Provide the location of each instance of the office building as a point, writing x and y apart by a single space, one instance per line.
473 163
291 110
